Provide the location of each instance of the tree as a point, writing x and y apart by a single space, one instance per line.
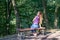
17 15
57 3
44 11
8 14
56 18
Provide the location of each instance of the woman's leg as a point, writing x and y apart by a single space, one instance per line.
34 31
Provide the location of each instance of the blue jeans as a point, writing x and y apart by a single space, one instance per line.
34 26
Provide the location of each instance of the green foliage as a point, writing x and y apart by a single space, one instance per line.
27 9
51 2
3 12
57 3
2 18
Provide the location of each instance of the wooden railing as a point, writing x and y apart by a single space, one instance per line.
28 29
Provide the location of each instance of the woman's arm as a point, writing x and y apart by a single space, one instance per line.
41 18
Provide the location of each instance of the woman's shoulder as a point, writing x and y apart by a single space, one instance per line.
37 16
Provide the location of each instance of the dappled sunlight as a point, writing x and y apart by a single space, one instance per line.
13 21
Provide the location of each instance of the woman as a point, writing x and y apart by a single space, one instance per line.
36 23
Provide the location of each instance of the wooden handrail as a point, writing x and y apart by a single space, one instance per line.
28 29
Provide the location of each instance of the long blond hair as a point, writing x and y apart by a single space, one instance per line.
40 18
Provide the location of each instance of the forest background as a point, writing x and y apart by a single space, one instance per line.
16 14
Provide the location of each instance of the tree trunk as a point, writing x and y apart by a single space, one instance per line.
8 14
56 18
17 16
44 11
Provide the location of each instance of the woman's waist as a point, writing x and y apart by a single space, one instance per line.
35 23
